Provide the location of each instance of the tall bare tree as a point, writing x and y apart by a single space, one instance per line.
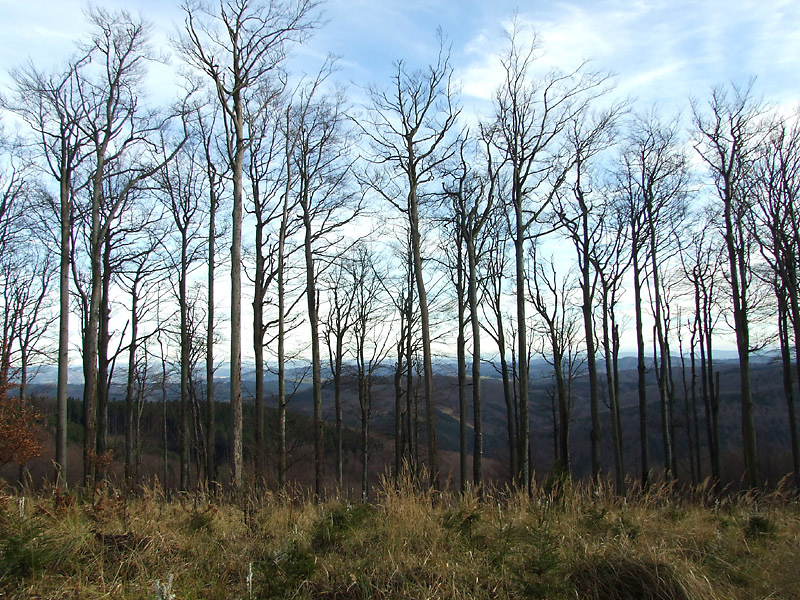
729 131
776 225
240 48
326 203
50 105
531 115
117 126
409 125
473 190
181 186
583 225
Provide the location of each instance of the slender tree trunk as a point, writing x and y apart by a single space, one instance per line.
713 395
738 280
523 478
411 392
508 395
337 400
313 320
130 393
587 293
90 334
185 350
794 312
477 418
641 370
398 403
686 408
363 401
211 434
462 373
563 408
661 357
258 343
236 292
103 359
788 387
63 331
616 423
282 356
427 357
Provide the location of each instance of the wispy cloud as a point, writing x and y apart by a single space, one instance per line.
661 51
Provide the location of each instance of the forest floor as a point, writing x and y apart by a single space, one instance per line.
563 542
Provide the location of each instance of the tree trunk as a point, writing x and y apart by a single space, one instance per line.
641 370
90 334
788 387
477 418
236 292
616 423
337 401
185 350
427 357
316 374
63 331
523 478
258 341
462 373
211 434
103 359
737 261
130 458
587 293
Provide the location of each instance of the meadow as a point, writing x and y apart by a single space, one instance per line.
564 540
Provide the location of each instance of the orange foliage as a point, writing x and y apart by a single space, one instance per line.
20 430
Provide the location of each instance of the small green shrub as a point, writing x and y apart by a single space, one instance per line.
334 526
759 525
25 549
283 572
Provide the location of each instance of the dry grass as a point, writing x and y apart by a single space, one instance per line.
569 542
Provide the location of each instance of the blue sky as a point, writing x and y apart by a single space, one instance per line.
661 51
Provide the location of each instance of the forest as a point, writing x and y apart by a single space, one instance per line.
263 242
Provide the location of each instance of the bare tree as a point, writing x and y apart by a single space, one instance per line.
611 261
474 203
495 325
583 224
776 226
240 48
652 178
118 128
531 115
50 105
181 187
701 261
409 125
371 344
138 279
338 323
264 169
729 132
326 204
550 295
215 174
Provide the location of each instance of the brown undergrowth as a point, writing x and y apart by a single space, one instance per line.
568 541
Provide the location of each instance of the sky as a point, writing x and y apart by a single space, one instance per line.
661 52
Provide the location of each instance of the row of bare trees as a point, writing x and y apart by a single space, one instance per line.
541 229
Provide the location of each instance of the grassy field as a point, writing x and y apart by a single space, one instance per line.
571 542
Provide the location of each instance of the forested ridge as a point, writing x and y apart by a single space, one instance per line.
397 284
